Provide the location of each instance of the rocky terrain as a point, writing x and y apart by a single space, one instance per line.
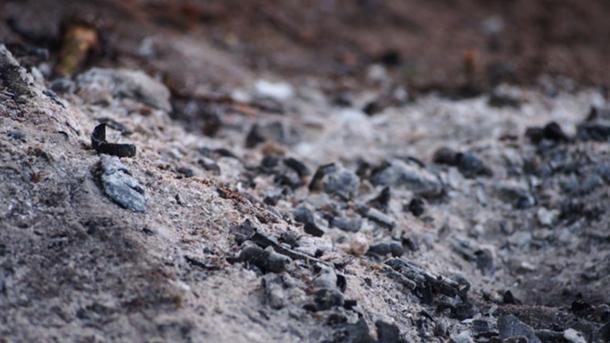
157 203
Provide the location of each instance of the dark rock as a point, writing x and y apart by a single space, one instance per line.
382 200
274 131
323 170
209 165
327 298
501 100
510 326
551 131
62 85
373 107
185 171
98 142
342 183
446 156
303 215
120 186
416 206
596 127
267 260
509 298
313 229
352 333
469 164
604 332
518 197
387 333
349 224
269 162
382 249
16 135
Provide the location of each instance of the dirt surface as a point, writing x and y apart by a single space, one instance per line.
276 179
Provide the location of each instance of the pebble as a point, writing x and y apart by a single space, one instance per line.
468 163
413 177
510 326
120 186
573 336
385 248
516 195
342 182
359 245
546 217
416 206
266 260
463 337
273 287
274 131
327 298
378 217
349 224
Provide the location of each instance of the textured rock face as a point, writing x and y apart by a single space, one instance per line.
203 238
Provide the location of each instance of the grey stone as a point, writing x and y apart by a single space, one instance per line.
342 182
413 177
349 224
510 326
97 83
120 186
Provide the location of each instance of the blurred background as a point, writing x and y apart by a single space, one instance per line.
460 47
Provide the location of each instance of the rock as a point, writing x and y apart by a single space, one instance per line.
303 215
387 333
416 206
279 91
546 217
358 245
516 195
267 260
382 200
573 336
385 248
604 332
327 298
413 177
342 183
97 83
274 294
463 337
497 99
469 164
510 326
378 217
353 333
551 131
274 131
349 224
326 278
120 186
471 251
596 127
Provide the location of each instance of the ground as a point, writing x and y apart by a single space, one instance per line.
294 180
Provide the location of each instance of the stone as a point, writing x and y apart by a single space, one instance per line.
342 182
546 217
267 260
573 336
408 175
510 326
349 224
359 245
120 186
386 248
416 206
463 337
97 83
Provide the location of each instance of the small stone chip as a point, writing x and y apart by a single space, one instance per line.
120 186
